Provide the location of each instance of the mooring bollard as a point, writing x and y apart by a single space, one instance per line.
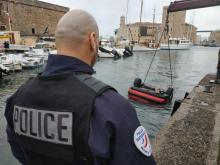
218 70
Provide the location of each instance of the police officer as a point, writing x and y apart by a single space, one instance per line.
65 116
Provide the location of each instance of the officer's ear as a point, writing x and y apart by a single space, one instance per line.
93 41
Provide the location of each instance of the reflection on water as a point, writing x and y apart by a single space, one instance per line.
188 68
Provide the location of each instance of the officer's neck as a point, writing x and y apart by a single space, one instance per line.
83 56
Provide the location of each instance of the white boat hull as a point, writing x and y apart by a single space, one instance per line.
139 48
13 67
4 68
105 55
175 47
19 47
32 62
11 62
120 51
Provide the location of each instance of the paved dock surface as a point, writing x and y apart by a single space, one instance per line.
192 135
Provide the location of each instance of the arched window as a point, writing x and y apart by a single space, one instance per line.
33 31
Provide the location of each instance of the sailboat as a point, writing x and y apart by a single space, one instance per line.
140 47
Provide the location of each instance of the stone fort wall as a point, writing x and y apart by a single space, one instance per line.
31 17
215 36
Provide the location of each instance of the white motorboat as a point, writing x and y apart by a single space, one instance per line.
37 52
41 50
176 44
108 53
31 62
10 62
114 50
105 53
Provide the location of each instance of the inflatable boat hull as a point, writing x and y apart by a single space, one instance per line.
146 95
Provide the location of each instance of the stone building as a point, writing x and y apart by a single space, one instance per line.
30 17
144 32
178 28
148 32
215 36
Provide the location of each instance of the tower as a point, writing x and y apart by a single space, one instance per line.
122 21
176 23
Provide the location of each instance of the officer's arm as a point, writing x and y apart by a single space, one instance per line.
15 147
112 130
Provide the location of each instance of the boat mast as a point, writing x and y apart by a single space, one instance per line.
7 14
132 39
139 35
153 28
127 12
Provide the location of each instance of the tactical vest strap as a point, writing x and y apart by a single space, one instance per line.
97 86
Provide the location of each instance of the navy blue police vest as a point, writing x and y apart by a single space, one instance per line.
51 118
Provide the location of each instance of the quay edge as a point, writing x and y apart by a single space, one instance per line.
192 134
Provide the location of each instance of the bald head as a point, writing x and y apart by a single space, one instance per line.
77 35
75 25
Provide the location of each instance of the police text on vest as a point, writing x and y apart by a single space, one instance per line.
50 126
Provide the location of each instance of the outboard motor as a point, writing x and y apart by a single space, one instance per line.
169 92
127 52
116 54
3 71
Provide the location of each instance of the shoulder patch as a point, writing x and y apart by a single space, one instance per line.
142 142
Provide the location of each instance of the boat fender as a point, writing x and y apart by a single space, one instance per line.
176 106
186 95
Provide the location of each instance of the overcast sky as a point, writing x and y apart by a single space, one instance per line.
108 12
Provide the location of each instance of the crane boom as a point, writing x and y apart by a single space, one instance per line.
192 4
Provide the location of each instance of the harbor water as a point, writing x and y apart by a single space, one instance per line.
188 67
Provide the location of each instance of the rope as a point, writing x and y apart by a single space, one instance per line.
171 73
166 28
153 56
